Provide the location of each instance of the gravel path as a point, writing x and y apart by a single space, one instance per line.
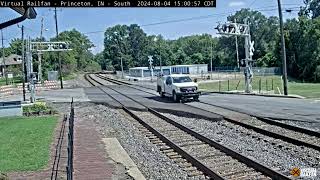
151 162
271 152
78 82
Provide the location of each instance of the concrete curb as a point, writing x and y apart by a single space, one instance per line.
119 155
253 94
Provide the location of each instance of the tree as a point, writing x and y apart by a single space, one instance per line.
80 45
311 9
196 58
264 32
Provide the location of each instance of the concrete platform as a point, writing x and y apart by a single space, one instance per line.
119 155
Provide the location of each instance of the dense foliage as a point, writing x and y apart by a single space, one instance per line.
79 59
131 44
302 37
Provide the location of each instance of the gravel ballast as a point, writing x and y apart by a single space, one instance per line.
273 153
149 159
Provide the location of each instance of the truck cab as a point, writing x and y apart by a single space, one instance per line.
179 87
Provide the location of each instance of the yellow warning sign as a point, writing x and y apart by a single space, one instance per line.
295 172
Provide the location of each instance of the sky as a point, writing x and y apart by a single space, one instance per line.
91 20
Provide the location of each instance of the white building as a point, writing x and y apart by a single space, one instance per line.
193 69
190 69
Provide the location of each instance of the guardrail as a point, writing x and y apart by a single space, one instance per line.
70 144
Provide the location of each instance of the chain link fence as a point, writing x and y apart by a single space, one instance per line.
232 79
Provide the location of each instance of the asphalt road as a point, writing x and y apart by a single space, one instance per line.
286 108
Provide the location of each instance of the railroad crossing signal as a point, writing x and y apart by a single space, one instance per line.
233 29
151 67
251 48
150 62
150 59
50 46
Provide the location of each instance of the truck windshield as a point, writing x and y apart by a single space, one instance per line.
181 79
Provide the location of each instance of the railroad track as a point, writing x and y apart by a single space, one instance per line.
266 126
194 153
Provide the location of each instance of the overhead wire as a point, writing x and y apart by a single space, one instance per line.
254 1
196 18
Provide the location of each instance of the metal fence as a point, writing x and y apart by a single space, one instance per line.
70 144
55 167
59 150
234 85
266 80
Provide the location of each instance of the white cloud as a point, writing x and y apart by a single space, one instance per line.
236 3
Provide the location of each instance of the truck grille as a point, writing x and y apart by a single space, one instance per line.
188 89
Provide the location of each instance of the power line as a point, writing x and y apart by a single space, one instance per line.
185 19
191 19
254 1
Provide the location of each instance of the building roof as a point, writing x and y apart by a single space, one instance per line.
147 68
166 67
12 59
179 75
190 65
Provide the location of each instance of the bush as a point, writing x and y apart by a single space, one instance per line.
3 176
317 74
38 108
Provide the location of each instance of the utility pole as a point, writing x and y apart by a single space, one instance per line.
24 74
248 58
40 55
31 74
155 40
57 33
283 50
121 63
4 72
122 76
211 44
237 48
160 57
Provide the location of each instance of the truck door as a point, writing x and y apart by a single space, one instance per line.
168 85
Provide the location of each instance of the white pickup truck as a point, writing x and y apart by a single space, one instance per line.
178 87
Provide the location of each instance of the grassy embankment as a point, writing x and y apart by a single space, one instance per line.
266 83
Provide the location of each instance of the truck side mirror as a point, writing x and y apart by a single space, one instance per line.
195 80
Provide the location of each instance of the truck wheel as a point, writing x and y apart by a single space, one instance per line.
175 97
196 98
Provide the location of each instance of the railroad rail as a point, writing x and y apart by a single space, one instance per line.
266 126
192 151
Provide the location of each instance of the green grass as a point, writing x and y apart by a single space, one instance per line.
15 80
268 83
70 76
309 90
25 142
